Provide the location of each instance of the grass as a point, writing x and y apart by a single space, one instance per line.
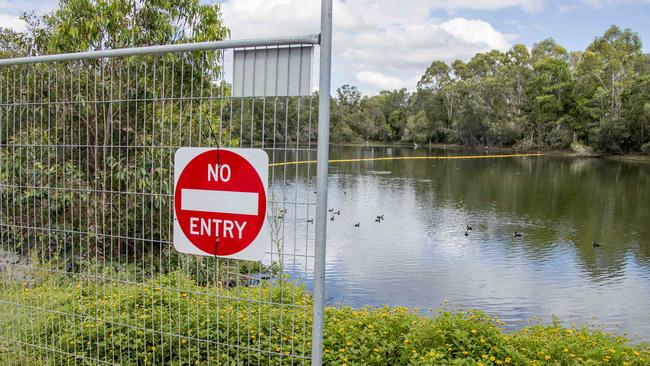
94 322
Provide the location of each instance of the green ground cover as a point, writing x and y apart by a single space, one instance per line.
162 320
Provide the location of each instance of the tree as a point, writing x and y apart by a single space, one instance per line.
394 105
435 77
418 128
83 25
545 97
548 48
87 25
348 96
607 70
549 90
438 79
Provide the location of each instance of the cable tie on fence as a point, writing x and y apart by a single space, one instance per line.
216 245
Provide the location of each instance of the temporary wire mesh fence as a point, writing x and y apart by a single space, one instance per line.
88 272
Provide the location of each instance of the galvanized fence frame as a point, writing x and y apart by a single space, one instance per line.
86 159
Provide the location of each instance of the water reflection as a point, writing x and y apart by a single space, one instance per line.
419 256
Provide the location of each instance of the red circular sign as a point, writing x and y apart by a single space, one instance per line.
215 203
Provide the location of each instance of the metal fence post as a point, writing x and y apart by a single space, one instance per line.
322 171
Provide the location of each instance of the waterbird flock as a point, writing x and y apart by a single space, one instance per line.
518 234
380 218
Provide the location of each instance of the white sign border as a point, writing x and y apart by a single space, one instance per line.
259 159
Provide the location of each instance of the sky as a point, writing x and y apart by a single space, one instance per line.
388 44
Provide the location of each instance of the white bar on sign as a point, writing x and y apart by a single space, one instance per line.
240 203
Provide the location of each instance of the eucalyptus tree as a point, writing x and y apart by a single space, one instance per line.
439 79
545 97
89 103
610 68
550 92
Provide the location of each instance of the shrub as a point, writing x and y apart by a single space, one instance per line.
183 312
645 148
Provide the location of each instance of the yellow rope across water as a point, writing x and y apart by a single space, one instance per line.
494 156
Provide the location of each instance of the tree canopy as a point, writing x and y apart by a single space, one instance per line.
103 125
542 98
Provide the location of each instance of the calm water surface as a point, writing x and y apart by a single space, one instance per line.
420 257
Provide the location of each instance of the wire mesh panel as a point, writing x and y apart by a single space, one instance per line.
88 271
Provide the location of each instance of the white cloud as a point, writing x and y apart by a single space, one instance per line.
255 18
10 10
12 21
378 43
475 32
378 80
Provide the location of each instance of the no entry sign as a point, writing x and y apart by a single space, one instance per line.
220 201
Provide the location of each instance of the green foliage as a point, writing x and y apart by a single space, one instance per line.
550 96
90 143
89 25
645 148
160 320
418 128
541 98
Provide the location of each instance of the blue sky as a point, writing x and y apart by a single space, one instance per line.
385 44
573 26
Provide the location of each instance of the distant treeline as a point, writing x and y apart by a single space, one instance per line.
543 98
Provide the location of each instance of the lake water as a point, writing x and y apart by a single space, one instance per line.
419 256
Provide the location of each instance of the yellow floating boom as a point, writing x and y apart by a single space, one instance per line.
494 156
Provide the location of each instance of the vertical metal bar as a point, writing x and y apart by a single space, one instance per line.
321 185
